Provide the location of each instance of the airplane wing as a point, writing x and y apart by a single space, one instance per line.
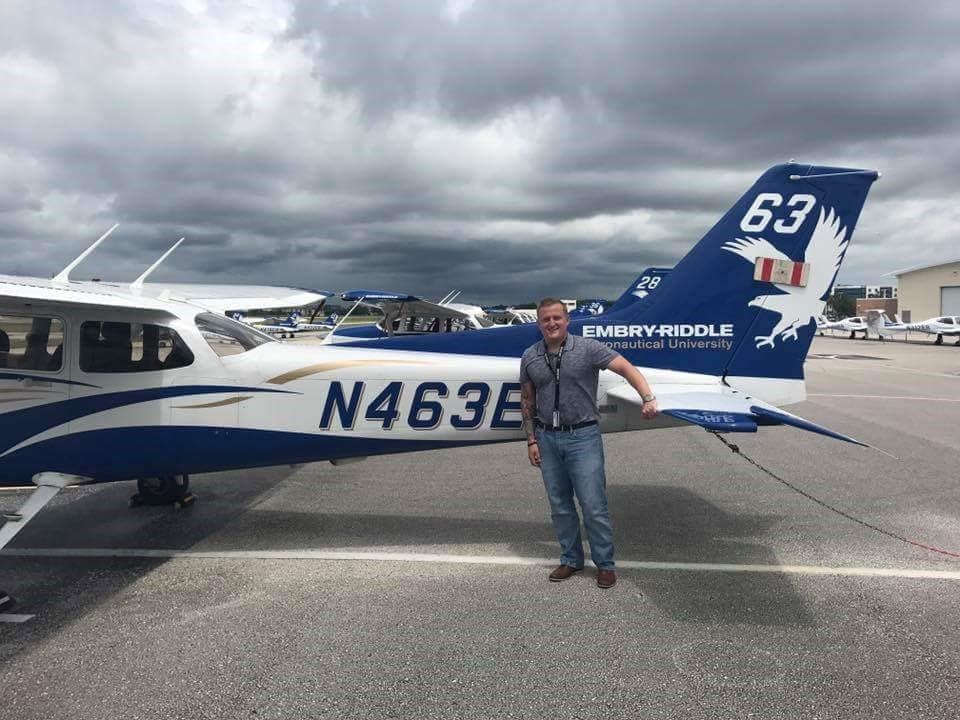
722 409
39 291
224 298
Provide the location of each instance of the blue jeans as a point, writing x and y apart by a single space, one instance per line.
572 464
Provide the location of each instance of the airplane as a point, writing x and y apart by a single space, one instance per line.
945 325
292 325
852 325
405 314
502 315
101 384
589 308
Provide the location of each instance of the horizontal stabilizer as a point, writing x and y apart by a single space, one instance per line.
784 418
718 408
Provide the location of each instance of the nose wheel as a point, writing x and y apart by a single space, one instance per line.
163 490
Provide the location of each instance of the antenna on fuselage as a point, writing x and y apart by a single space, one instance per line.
138 283
64 275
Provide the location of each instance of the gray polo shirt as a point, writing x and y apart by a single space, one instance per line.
583 359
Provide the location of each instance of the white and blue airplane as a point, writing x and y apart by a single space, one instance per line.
293 325
405 315
943 326
99 384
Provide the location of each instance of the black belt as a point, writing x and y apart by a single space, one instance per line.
565 428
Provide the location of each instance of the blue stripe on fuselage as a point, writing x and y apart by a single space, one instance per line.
127 453
20 425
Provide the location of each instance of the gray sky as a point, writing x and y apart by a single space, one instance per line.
509 148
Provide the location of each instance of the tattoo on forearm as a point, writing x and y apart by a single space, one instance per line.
527 408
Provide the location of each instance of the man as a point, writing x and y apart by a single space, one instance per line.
558 379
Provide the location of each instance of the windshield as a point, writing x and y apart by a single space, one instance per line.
228 337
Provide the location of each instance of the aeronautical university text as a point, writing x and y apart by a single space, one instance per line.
659 337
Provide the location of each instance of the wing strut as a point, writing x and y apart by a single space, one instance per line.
64 275
48 485
347 314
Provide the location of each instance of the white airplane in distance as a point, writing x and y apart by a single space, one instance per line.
943 326
852 325
101 384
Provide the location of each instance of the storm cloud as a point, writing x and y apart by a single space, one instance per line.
508 149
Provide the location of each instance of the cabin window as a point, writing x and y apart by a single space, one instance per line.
121 347
31 343
229 337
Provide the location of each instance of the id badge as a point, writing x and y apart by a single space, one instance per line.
556 418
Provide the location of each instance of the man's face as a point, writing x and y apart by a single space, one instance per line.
553 321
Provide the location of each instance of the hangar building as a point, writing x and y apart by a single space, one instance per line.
927 291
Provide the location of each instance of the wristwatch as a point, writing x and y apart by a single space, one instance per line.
648 398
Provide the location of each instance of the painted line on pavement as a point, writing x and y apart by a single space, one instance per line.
885 397
436 558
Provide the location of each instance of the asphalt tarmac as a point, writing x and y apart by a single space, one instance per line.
415 586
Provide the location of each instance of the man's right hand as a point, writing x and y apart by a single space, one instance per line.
533 453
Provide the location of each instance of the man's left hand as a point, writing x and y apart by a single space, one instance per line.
650 409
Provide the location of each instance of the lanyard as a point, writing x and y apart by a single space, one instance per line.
556 385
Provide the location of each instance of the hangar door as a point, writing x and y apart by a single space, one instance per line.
950 300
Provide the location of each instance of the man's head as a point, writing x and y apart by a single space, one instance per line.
553 319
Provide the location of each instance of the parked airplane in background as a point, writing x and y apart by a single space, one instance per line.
590 308
502 315
943 326
101 384
293 325
407 315
852 325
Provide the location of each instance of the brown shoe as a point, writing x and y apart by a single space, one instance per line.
606 579
563 572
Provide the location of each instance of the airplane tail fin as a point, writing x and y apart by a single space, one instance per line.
743 301
643 287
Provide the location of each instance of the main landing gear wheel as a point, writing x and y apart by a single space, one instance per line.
6 601
164 490
939 340
853 335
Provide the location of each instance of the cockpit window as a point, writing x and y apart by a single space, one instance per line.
121 347
229 337
947 320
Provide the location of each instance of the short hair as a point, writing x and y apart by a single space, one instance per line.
548 301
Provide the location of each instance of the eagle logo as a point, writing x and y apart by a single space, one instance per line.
798 305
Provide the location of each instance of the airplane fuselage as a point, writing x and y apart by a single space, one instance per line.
275 403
